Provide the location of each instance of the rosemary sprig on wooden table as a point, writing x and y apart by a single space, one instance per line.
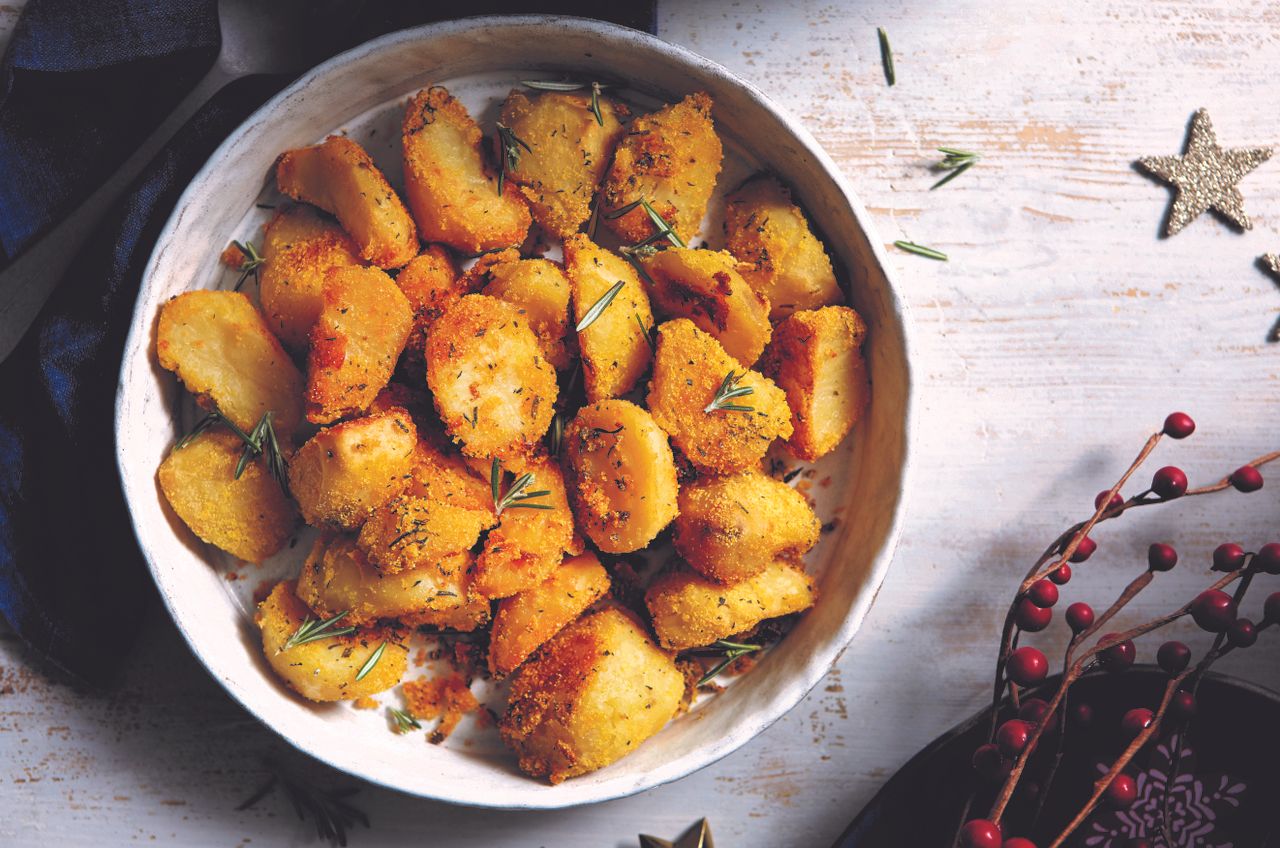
886 56
955 161
921 250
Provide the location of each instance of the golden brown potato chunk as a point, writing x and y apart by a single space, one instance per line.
690 370
622 475
670 158
529 541
249 518
340 178
615 345
731 528
443 510
337 578
569 152
703 286
431 283
325 669
689 610
471 615
493 388
355 342
298 249
816 358
451 190
346 471
597 690
541 289
223 352
782 259
525 621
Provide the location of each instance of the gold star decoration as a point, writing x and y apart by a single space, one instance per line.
1205 176
1272 262
698 836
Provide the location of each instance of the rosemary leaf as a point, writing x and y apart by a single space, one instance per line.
647 332
404 721
252 263
622 210
921 250
951 176
201 425
599 306
552 85
729 389
661 223
371 662
510 144
595 102
310 630
516 496
886 56
730 651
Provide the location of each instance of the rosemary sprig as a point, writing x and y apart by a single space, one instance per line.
886 56
729 389
332 813
371 662
311 629
595 102
552 85
599 306
252 263
664 229
730 651
955 161
647 332
557 433
511 144
404 721
262 441
921 250
516 496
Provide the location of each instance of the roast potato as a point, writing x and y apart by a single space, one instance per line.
541 289
615 346
471 615
782 259
529 542
325 669
816 358
689 370
690 611
450 188
249 518
703 286
597 690
526 620
223 352
431 283
340 178
355 342
670 158
622 475
731 528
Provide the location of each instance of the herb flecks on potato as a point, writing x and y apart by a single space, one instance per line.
533 534
541 289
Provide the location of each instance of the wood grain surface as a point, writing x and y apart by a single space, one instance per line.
1057 336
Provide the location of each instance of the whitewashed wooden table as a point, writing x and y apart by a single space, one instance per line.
1059 334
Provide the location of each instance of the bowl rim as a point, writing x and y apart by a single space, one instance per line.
812 671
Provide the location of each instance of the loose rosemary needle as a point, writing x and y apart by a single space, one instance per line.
955 161
886 56
921 250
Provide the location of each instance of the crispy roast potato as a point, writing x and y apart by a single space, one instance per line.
622 475
346 471
223 352
528 542
569 152
249 518
670 158
298 249
325 669
731 528
689 370
340 178
597 690
451 190
472 614
336 577
355 342
431 283
525 621
782 259
703 286
816 358
493 388
689 610
541 289
615 346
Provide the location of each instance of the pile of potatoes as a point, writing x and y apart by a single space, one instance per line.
406 383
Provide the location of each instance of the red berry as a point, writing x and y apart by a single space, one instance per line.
1228 557
1027 666
1033 710
1173 657
1012 737
1179 425
1119 656
1242 634
1169 482
1043 593
1136 720
1271 608
1032 618
1062 574
988 762
1018 842
1246 478
1122 792
1115 501
1139 843
1182 705
1213 610
1268 558
980 833
1079 617
1161 557
1082 714
1084 550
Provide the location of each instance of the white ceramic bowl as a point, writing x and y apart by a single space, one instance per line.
361 92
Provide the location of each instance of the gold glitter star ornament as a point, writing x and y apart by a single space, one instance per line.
1205 176
698 836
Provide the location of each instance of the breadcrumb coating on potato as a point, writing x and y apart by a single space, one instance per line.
447 698
431 283
540 289
528 544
